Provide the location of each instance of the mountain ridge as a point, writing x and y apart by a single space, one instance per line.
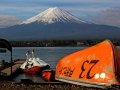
62 29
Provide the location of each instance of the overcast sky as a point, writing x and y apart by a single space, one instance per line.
84 9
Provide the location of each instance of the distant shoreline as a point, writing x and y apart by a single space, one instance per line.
58 43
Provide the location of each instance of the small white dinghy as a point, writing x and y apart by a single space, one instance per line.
33 65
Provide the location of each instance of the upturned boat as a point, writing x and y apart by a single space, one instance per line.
96 66
33 65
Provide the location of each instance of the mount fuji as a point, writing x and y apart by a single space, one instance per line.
53 15
58 24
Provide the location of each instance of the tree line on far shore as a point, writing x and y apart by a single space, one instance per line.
58 43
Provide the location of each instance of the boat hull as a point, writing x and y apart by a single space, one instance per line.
95 66
48 75
33 71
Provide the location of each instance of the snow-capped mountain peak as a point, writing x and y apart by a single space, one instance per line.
53 15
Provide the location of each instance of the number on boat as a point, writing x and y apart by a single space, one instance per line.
88 76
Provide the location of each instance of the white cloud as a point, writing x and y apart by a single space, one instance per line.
28 8
87 1
108 17
6 21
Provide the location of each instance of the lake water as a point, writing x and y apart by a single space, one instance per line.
50 55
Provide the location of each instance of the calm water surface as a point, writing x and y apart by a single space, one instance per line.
50 55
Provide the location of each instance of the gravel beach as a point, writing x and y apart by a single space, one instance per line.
11 85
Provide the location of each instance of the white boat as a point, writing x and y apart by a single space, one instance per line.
33 65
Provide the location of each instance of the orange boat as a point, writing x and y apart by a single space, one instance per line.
97 66
48 75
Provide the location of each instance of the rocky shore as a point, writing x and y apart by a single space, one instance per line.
11 85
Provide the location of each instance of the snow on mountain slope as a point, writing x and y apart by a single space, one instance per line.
53 15
57 24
